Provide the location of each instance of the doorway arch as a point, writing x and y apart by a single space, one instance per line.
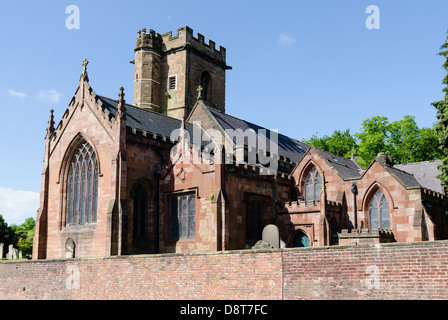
301 240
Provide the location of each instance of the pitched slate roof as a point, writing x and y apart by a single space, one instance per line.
425 173
406 178
146 120
287 147
348 169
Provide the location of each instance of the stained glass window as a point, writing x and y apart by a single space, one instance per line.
182 216
312 186
379 211
82 187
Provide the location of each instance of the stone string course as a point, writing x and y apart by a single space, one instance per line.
384 271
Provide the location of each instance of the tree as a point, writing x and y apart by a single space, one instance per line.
401 139
372 140
24 235
341 143
428 146
7 235
441 127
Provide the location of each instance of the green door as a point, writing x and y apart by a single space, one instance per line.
301 240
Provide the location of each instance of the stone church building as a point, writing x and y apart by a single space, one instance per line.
173 172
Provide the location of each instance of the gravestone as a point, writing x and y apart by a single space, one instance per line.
271 235
1 250
12 253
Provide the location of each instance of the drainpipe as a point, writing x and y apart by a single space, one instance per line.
355 210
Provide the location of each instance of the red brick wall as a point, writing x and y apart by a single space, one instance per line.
392 271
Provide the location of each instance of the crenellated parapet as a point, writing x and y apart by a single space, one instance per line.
148 41
184 38
308 206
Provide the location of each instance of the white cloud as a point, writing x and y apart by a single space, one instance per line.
169 18
17 94
50 96
285 40
16 206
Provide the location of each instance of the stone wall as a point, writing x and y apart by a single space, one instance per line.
383 271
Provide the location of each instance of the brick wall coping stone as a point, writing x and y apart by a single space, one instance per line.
244 251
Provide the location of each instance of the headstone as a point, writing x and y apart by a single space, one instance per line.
70 248
10 254
271 235
1 250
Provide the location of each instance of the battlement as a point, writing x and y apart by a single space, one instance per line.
184 37
151 40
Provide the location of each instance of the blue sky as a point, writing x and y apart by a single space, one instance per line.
302 67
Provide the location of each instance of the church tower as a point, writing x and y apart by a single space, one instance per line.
169 70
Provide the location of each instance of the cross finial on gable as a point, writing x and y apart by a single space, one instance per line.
84 64
199 92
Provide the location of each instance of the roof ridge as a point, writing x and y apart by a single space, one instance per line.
418 162
254 124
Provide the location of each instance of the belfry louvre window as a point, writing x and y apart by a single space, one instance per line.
172 83
82 187
182 217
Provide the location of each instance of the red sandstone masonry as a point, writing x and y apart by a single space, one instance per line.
387 271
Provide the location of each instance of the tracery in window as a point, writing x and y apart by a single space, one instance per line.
379 211
82 187
182 216
312 185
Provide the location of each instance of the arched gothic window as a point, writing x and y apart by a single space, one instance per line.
312 185
379 211
82 187
206 86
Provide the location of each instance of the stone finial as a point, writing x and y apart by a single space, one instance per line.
121 107
50 128
121 94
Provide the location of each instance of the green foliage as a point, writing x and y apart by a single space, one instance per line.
24 235
441 127
372 140
341 143
7 235
21 237
402 139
